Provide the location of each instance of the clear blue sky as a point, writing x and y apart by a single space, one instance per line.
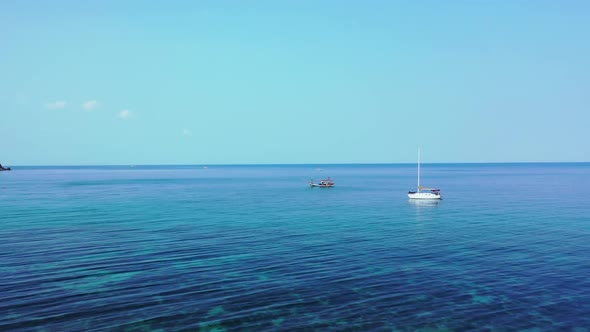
210 82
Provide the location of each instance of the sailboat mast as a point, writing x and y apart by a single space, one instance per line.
418 189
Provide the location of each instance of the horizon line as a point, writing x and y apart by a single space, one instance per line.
303 164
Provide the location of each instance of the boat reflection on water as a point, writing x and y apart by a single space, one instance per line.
426 203
425 210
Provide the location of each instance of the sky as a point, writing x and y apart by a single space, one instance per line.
274 82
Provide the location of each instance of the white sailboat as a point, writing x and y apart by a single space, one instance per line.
423 192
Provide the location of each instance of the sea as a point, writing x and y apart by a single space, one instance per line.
255 248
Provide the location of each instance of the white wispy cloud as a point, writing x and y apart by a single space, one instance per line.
56 105
124 114
91 104
186 132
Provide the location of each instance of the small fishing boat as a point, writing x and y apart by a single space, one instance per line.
326 183
423 192
2 168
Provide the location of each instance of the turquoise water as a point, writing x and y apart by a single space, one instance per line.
253 248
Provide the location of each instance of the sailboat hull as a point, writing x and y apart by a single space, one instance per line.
424 195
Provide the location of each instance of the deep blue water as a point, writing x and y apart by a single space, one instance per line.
253 248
